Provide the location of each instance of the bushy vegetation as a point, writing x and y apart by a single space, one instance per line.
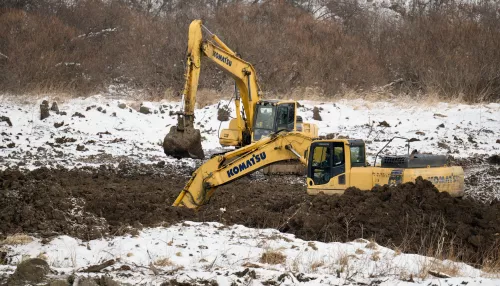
444 48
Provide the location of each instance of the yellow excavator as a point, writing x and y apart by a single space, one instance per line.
260 117
333 165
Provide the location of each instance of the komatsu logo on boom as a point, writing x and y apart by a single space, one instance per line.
222 58
256 159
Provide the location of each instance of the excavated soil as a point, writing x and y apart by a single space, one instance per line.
90 203
185 144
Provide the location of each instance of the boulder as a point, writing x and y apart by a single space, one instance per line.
30 271
54 107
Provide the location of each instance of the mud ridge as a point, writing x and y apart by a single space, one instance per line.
91 203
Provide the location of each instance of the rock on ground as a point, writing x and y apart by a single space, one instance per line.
30 271
54 107
44 110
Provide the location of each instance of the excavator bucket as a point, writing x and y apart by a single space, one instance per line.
184 143
183 140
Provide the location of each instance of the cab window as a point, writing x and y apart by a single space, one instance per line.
357 156
320 168
286 116
338 159
327 160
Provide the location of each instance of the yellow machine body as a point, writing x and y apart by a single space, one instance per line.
350 169
339 165
446 179
241 130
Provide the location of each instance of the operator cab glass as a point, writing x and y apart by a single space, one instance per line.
270 118
264 121
285 119
358 158
326 161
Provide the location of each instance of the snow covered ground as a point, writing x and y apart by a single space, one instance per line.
109 130
235 255
109 133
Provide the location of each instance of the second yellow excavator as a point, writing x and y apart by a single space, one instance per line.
258 119
333 165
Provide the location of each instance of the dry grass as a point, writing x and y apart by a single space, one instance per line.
448 268
491 262
272 257
42 255
316 265
343 260
17 239
163 262
397 251
375 256
371 245
312 245
359 251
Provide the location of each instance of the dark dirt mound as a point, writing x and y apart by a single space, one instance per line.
413 217
185 144
495 159
38 202
223 114
316 113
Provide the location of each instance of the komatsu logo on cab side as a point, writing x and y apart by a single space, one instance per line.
222 58
256 159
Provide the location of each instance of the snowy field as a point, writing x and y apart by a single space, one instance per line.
108 133
197 253
102 130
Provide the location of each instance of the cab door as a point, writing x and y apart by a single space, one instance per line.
327 168
285 117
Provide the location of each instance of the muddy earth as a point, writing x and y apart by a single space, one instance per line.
89 203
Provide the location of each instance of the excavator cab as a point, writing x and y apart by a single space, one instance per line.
270 116
273 116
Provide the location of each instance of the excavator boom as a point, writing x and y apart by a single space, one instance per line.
185 141
234 165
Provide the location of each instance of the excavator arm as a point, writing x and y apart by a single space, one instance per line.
231 166
183 140
218 52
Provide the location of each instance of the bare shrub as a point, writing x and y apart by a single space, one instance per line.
447 49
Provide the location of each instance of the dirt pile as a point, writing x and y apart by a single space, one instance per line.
482 174
413 217
37 202
495 159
